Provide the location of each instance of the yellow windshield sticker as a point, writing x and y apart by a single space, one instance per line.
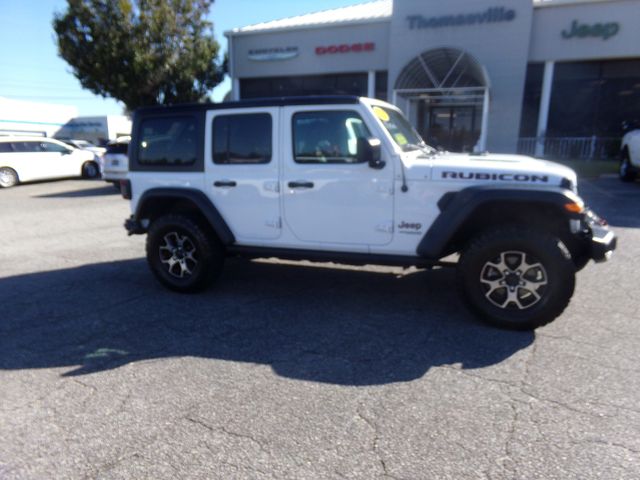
381 114
401 139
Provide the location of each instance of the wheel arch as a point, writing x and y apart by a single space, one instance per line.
468 212
159 201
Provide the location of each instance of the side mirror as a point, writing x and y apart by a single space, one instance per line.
370 151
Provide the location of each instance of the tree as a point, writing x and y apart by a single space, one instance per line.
141 52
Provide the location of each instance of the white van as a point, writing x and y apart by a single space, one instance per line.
24 159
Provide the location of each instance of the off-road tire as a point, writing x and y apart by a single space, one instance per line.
626 172
196 251
8 177
90 170
549 276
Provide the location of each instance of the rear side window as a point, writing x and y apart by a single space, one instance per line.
170 141
120 148
27 147
327 137
242 139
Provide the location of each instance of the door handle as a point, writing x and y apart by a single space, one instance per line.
224 183
300 184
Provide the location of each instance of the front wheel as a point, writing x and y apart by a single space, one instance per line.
181 255
516 278
90 170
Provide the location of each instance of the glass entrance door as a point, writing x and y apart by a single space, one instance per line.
455 128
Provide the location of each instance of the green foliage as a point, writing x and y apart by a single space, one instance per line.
141 52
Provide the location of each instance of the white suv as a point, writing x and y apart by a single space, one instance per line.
348 179
115 162
24 159
630 160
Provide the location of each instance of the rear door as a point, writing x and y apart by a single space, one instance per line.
32 161
241 171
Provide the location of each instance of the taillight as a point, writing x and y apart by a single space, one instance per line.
125 189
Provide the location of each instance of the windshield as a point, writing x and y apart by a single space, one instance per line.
401 130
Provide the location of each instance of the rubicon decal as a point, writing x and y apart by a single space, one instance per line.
502 177
346 48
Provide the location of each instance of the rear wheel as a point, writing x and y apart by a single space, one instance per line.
181 255
8 177
517 278
90 170
626 172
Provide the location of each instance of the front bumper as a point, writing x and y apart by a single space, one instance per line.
134 227
111 176
602 239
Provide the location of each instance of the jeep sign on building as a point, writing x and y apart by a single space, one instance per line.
555 77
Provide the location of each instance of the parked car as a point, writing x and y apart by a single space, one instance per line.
115 163
23 159
630 156
348 179
84 145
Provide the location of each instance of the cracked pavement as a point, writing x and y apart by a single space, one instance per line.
291 370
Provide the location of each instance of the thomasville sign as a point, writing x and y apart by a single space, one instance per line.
490 15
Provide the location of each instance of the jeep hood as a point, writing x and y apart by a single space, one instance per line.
487 168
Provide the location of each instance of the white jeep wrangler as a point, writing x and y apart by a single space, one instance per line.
347 179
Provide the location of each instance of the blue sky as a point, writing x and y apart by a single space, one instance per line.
31 69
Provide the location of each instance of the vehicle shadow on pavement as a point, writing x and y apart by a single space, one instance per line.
336 325
103 190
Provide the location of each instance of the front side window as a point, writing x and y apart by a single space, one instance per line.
328 136
242 139
170 141
5 147
53 147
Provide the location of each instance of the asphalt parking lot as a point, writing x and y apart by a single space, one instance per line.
299 371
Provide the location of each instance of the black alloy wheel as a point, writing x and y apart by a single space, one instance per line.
516 277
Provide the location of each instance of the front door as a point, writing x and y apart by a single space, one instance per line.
329 197
242 165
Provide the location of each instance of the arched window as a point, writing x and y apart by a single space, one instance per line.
441 68
445 93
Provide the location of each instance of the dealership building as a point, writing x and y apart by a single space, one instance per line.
554 77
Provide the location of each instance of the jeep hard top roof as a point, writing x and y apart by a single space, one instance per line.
257 102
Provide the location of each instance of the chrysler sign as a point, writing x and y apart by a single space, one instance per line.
491 15
272 54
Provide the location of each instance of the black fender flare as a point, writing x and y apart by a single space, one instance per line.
198 198
457 207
